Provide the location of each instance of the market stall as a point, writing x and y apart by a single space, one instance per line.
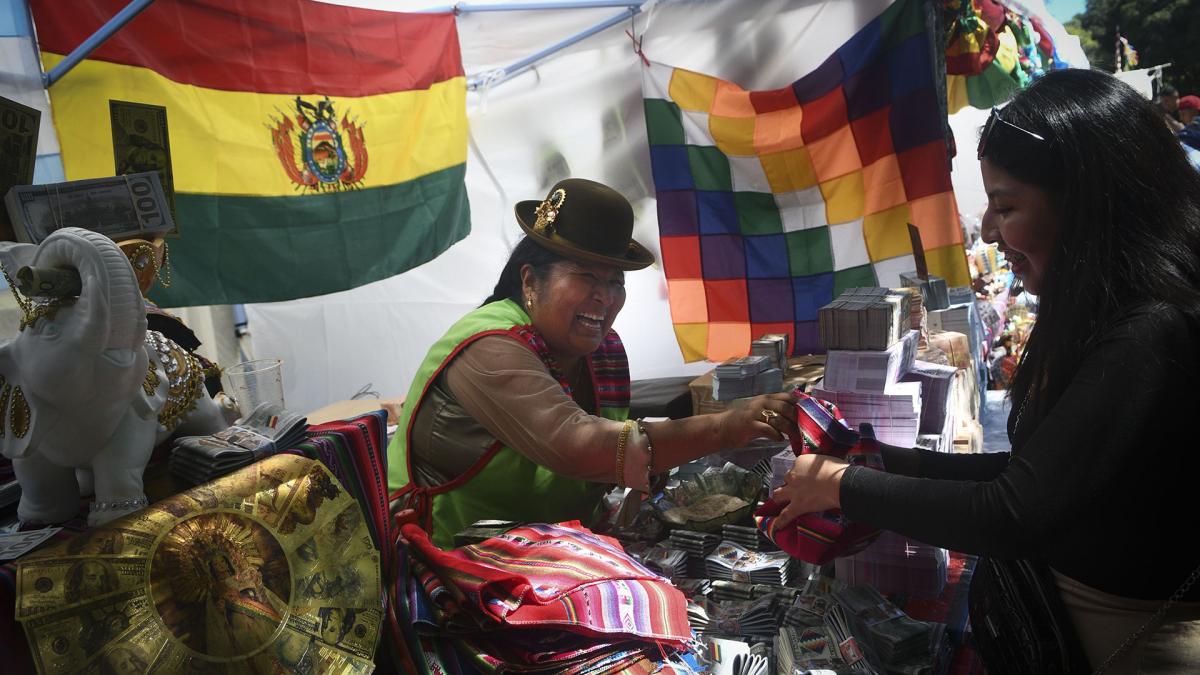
168 505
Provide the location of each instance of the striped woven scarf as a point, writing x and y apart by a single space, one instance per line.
561 576
610 367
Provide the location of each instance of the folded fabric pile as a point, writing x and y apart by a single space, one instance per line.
539 599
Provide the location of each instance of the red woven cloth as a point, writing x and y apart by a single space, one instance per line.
820 537
561 576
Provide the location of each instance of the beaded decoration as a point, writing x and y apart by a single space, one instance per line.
122 504
19 414
150 384
185 378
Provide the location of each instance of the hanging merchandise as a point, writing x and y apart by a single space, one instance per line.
992 51
971 44
1001 80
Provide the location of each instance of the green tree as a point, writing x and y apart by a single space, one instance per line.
1163 31
1091 48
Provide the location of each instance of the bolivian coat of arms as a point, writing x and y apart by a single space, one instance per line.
332 155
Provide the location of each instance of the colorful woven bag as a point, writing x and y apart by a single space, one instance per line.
820 537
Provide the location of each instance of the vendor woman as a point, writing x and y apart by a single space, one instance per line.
520 411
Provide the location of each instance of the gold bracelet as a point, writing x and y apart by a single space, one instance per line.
649 451
621 440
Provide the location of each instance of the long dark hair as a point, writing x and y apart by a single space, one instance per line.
526 252
1129 202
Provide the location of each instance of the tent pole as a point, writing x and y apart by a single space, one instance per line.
512 70
470 8
95 40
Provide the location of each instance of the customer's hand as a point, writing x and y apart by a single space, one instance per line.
770 416
812 484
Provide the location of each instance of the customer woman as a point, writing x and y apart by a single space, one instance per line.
1096 208
520 411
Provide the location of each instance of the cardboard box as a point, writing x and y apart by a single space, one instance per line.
342 410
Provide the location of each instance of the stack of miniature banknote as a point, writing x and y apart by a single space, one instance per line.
267 430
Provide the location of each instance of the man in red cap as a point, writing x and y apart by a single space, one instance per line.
1189 111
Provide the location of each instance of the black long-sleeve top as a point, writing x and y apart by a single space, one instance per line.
1105 488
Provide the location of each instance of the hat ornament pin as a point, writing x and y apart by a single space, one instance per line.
548 210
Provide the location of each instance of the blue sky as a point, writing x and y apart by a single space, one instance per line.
1063 10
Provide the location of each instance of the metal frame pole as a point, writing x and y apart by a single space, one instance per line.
512 70
470 8
95 40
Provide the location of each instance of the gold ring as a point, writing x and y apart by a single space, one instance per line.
769 415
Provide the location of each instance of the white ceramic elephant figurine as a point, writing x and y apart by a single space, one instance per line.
86 392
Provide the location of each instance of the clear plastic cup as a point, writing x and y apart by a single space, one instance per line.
252 383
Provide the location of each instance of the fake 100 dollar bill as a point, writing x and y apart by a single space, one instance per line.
119 207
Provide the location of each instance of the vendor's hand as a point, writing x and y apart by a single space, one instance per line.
769 416
402 518
812 484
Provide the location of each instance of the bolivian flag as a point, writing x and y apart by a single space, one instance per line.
314 147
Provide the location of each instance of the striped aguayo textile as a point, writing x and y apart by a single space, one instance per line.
561 576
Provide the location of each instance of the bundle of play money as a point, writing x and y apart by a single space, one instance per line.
746 376
816 649
119 207
891 634
774 346
732 562
934 291
724 591
937 382
870 370
750 538
697 545
865 318
667 561
267 430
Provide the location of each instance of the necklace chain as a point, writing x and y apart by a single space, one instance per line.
1157 616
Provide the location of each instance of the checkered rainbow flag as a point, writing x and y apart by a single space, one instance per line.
770 203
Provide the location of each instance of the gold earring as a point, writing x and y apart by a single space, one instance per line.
528 303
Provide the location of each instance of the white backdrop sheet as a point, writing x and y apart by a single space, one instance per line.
576 114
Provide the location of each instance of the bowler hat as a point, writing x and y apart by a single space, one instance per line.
585 221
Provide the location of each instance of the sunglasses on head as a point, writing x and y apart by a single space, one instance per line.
990 127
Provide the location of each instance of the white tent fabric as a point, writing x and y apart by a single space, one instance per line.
20 80
580 114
